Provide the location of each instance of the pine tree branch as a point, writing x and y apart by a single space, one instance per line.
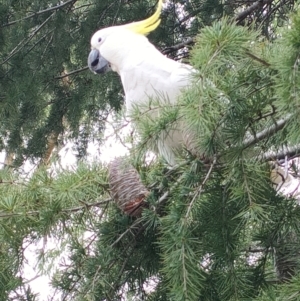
39 41
40 13
113 262
116 285
67 210
72 73
256 5
254 57
239 18
281 3
266 115
136 223
200 188
32 279
179 46
25 41
87 206
257 250
288 151
267 132
168 192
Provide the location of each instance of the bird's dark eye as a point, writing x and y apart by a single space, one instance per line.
99 40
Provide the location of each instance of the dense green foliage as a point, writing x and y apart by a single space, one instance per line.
215 227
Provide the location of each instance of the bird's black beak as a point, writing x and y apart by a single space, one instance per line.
97 63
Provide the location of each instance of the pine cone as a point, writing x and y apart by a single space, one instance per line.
126 187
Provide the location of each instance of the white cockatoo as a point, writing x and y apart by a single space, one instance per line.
146 74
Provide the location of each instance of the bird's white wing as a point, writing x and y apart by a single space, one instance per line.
163 81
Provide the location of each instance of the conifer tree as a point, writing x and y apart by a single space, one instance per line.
214 226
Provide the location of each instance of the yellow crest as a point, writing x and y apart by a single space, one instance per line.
148 25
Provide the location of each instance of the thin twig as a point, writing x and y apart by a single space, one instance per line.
176 47
114 288
200 189
32 279
27 39
67 210
279 125
254 57
39 13
72 73
137 222
37 42
281 3
249 10
167 193
87 206
266 115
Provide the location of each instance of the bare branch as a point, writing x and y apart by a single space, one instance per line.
71 73
87 206
32 279
134 225
27 39
200 189
67 210
256 5
179 46
280 4
267 132
286 151
40 13
254 57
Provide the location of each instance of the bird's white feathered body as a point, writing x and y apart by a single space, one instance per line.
146 75
156 78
